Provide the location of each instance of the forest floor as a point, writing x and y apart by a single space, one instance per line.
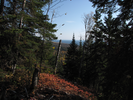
50 87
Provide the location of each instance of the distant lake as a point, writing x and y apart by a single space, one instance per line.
68 41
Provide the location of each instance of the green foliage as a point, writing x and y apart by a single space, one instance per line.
19 44
109 57
71 66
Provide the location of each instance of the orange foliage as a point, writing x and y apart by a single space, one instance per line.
58 84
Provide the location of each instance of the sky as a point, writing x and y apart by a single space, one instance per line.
70 13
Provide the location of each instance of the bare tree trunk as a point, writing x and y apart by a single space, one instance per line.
58 52
35 79
52 16
89 23
21 20
14 49
13 68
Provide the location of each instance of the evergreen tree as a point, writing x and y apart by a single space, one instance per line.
116 83
20 21
71 70
93 54
80 53
118 64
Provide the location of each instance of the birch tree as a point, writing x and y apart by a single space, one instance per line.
88 23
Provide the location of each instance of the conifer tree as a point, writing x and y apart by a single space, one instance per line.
21 20
118 54
117 36
93 54
80 53
71 69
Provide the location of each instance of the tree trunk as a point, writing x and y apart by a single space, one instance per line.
35 79
58 52
14 50
13 68
21 20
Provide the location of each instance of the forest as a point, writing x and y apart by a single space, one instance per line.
34 68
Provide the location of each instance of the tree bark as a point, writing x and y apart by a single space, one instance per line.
35 79
21 20
58 52
13 68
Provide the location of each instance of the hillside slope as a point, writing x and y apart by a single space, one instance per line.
50 87
56 88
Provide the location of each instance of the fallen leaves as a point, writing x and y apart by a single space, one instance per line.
58 84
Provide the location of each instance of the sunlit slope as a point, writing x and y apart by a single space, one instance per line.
55 83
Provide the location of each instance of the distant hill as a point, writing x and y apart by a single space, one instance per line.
69 41
64 46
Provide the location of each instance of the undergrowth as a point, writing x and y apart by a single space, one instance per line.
49 86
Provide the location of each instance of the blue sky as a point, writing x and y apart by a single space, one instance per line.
73 20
